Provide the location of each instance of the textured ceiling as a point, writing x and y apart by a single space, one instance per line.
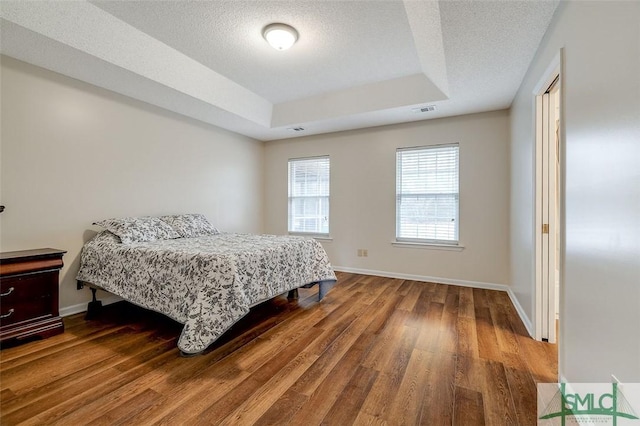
358 45
356 63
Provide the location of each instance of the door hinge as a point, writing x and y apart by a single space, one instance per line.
545 228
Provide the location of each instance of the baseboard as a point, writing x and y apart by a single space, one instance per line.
82 307
523 316
463 283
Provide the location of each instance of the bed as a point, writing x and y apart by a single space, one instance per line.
206 280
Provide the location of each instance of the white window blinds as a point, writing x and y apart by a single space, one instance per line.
427 194
309 195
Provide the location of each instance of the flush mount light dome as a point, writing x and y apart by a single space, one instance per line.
280 36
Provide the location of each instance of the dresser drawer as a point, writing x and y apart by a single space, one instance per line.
29 295
26 297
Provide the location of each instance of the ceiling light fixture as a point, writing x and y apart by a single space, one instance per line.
280 36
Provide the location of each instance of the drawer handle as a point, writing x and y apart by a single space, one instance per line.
7 315
8 292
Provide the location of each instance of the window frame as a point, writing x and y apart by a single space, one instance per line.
411 241
290 198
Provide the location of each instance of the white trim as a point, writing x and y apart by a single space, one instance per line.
440 280
521 313
537 215
82 307
310 234
428 246
553 71
317 237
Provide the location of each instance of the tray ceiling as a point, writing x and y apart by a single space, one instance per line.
356 63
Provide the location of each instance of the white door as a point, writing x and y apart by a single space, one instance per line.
549 210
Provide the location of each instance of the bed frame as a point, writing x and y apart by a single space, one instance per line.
95 306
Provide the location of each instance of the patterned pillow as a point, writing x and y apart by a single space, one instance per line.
138 229
190 225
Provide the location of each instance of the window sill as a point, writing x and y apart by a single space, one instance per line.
324 238
318 237
428 246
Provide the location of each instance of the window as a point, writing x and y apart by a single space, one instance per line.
427 194
309 195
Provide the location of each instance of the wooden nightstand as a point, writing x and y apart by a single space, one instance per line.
29 294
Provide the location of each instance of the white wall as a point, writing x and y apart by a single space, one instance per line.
73 154
600 306
363 196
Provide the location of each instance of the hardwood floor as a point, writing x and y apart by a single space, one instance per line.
375 351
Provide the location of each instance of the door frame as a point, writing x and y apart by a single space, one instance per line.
544 300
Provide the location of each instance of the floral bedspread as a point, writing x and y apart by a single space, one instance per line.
206 283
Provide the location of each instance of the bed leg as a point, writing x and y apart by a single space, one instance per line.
325 286
94 307
293 294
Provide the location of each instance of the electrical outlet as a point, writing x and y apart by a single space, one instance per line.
359 252
365 252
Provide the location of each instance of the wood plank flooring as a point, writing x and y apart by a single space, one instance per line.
374 351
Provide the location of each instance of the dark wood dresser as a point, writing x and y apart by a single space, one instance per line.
29 294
